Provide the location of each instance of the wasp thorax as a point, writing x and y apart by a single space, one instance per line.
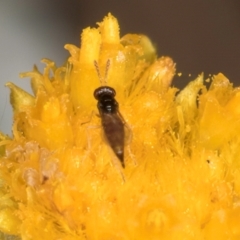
107 104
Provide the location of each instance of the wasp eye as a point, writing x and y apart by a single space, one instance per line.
96 94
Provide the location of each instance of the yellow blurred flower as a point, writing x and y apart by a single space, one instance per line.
61 180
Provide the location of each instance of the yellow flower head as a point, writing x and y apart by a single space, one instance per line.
60 179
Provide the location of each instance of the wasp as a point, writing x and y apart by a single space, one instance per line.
112 121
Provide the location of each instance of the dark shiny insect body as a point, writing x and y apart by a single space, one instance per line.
112 121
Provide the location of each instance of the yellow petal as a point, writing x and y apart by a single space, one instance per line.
19 98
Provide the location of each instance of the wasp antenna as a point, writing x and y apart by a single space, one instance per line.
106 71
98 72
103 81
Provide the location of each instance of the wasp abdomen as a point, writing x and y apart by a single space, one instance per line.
114 132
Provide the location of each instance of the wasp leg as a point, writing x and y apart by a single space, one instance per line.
117 165
128 140
131 155
88 134
90 118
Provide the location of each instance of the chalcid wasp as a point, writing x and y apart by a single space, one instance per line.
112 121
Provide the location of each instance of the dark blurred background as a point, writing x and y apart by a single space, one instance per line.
201 36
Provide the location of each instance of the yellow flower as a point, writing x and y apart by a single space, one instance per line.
61 180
